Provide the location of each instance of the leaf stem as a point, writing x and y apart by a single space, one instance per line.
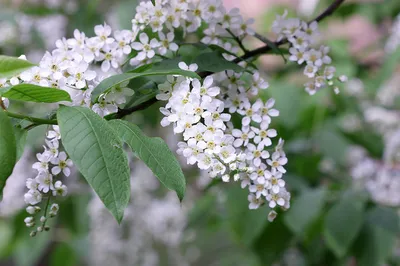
35 120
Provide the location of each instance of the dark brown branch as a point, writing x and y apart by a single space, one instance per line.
256 52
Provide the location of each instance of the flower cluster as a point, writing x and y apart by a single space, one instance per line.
301 36
379 176
393 41
51 163
202 111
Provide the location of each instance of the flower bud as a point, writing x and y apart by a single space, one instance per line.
30 210
43 219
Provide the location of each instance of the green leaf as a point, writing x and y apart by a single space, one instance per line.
246 224
276 49
112 81
273 241
12 66
305 210
29 250
378 236
343 223
155 153
34 93
215 62
385 218
97 152
20 138
63 255
8 150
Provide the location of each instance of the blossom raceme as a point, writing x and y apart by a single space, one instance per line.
200 110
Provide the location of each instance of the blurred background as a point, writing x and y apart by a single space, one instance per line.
343 151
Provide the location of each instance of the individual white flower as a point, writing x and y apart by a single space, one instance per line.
264 134
255 202
272 215
204 161
52 147
242 136
314 58
61 164
275 199
119 93
243 27
311 30
311 88
277 182
43 164
258 83
33 197
79 74
190 150
231 18
55 133
310 70
277 162
343 78
206 91
60 189
123 39
110 56
256 153
227 154
32 184
325 58
191 67
261 174
103 108
45 181
166 43
36 75
297 55
251 113
300 41
103 32
259 190
329 72
212 34
54 209
146 49
31 210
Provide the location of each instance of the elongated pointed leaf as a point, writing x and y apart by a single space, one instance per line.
215 62
343 223
97 152
155 153
305 210
20 139
34 93
8 150
12 66
112 81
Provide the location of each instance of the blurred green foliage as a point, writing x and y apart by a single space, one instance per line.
328 223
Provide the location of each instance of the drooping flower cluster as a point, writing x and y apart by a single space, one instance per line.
199 109
394 40
202 113
51 164
379 176
302 36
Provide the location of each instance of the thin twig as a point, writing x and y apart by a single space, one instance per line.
249 54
